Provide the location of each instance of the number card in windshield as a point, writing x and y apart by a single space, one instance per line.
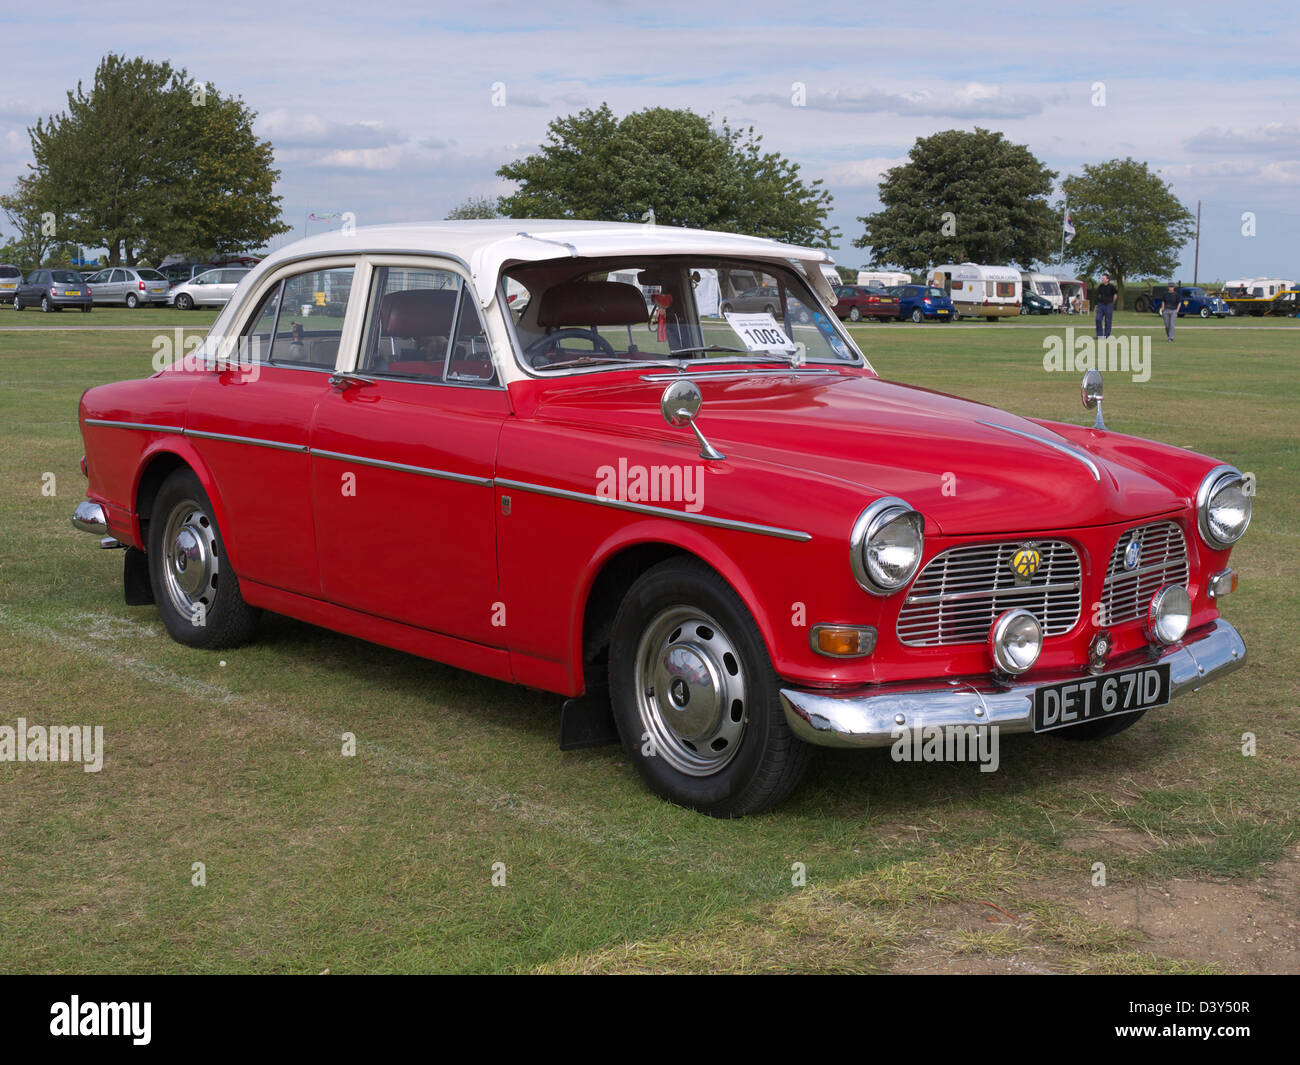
760 332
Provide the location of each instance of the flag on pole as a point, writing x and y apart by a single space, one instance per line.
322 216
1069 227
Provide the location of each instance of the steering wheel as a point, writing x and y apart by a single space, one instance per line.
536 351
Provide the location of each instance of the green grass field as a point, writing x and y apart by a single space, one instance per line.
384 862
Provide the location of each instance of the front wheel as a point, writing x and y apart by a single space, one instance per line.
185 302
18 304
1205 312
194 586
695 697
46 305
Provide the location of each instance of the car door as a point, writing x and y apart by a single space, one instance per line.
252 424
403 456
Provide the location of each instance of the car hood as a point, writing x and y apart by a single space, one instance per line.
968 467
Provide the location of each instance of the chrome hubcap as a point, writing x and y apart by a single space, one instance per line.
691 691
191 565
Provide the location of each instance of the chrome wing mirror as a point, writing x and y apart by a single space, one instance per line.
1091 394
680 404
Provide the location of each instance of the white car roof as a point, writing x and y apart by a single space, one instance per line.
486 245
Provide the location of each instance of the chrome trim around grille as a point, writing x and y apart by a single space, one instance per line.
1127 593
877 716
961 592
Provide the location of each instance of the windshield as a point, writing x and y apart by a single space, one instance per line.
580 313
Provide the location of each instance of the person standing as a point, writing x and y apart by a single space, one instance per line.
1169 312
1106 293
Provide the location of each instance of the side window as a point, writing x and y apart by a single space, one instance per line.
118 276
300 321
423 327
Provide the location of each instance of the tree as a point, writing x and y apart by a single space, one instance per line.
963 197
28 212
476 207
147 159
1127 221
669 166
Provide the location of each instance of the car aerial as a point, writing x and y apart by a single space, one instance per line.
922 303
52 290
130 286
722 540
10 278
213 288
1033 303
852 301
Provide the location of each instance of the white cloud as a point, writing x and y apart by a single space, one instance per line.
362 158
298 129
1271 138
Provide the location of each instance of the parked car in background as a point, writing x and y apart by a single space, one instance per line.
1045 286
625 510
1033 303
128 285
1191 300
52 290
177 273
764 299
10 278
854 301
210 289
923 303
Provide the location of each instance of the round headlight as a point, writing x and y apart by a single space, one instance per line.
1015 641
1222 507
1168 615
886 545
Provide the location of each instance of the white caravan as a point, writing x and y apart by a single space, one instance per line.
884 278
1044 285
978 291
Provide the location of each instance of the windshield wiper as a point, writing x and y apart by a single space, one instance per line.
605 360
710 347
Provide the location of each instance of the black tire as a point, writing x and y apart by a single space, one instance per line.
769 309
1141 304
736 755
1099 730
1205 312
184 534
1024 309
917 316
132 300
185 302
18 306
855 315
46 306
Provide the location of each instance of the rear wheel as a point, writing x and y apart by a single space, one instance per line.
1024 309
196 591
917 316
1099 730
46 305
18 305
855 315
132 300
695 697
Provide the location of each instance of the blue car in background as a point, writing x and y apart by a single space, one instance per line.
923 303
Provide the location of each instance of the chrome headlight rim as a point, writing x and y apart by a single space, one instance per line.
997 647
1169 600
882 513
1214 481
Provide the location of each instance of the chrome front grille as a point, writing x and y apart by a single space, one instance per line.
1161 560
961 592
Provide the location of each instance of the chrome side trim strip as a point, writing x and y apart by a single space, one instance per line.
401 467
135 425
658 512
1055 445
252 441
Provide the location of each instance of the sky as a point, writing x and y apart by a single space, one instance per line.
399 111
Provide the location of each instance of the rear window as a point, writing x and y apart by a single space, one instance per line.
151 275
67 277
934 293
10 271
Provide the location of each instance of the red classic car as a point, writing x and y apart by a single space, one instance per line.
722 530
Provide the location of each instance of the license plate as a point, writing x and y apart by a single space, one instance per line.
1092 698
73 292
155 290
8 286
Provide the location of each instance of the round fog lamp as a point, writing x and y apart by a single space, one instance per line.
1015 641
1169 614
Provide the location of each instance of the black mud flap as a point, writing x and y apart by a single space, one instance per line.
135 578
588 721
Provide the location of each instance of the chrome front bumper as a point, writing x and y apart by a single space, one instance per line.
874 716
